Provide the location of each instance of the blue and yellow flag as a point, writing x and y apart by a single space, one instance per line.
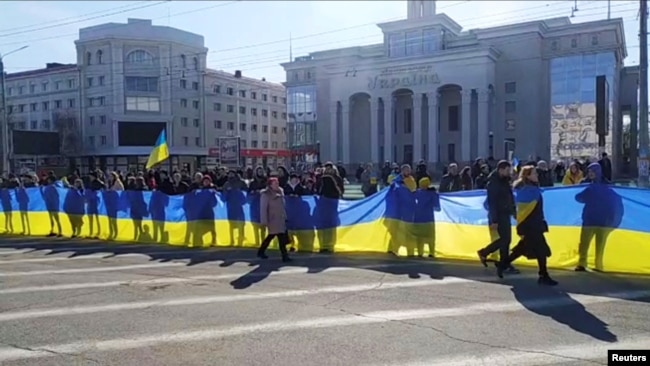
160 151
527 198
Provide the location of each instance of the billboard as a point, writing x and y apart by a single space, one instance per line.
229 151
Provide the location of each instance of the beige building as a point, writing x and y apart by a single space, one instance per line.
130 82
435 91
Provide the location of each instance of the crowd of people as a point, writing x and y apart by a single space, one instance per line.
328 180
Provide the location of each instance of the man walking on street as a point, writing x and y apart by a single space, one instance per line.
501 209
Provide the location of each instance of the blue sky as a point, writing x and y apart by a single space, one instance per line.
254 36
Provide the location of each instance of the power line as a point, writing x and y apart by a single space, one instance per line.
83 20
548 14
13 29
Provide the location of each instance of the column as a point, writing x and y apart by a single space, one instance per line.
388 128
417 127
345 133
465 128
334 121
432 140
483 128
374 130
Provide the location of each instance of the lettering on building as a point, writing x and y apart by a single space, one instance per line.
403 81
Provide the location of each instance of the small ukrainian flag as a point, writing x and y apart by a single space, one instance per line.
160 151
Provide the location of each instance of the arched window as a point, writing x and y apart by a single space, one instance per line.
183 61
139 57
196 63
89 58
99 56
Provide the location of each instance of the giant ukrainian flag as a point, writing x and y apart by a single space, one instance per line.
160 151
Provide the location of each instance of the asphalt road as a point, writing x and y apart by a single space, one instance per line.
68 303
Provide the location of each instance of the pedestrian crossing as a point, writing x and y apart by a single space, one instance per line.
59 307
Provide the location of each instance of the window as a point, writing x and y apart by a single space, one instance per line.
103 140
21 90
186 141
100 55
71 103
91 141
242 144
430 41
511 87
510 125
195 104
21 108
143 104
254 128
102 120
397 45
275 99
594 40
46 106
216 107
72 84
413 43
183 103
242 93
265 113
254 143
253 95
230 91
32 89
195 85
101 80
101 101
195 122
43 87
45 124
265 129
10 91
139 57
231 126
89 58
183 64
554 46
33 107
195 61
451 152
197 141
574 42
58 104
217 125
453 117
57 85
284 116
284 100
274 130
89 82
274 114
141 84
183 84
33 125
91 120
242 110
511 107
230 108
254 111
265 144
265 97
274 144
408 120
216 89
242 127
184 121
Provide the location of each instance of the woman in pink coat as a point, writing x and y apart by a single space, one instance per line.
273 216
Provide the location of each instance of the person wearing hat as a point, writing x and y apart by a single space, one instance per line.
273 216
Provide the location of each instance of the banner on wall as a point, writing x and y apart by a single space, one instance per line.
229 151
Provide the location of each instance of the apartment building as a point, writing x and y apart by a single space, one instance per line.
132 81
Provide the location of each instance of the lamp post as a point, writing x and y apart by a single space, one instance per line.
491 143
318 151
5 120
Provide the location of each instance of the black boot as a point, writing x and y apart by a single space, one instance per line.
546 280
285 258
260 254
482 258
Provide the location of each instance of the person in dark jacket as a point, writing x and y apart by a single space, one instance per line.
501 208
466 181
165 184
451 181
421 171
481 180
293 187
544 175
95 183
531 226
606 166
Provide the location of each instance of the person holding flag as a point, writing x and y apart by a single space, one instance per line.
160 151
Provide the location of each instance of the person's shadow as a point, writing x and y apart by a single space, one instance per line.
253 200
7 209
111 200
191 212
157 205
300 223
23 206
568 311
73 206
235 199
326 222
205 202
137 211
92 206
50 194
602 213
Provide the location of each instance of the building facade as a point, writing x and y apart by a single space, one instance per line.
433 91
132 81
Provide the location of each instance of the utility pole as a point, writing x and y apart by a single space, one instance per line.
644 138
4 130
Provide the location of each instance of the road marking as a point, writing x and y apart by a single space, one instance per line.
91 270
531 356
377 317
203 300
173 280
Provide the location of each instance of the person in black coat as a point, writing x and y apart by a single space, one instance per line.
531 226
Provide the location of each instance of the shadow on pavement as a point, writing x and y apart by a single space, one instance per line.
525 290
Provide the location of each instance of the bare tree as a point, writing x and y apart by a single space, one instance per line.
69 134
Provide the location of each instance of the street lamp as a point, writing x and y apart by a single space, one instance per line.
4 128
491 144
